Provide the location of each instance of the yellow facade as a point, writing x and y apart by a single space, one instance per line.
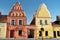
3 30
50 33
56 28
43 14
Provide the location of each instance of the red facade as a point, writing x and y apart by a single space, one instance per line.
16 14
16 23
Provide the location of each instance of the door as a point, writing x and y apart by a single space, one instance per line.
31 33
54 34
11 33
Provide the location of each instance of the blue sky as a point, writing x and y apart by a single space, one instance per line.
29 7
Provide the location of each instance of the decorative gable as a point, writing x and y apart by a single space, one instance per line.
43 11
17 10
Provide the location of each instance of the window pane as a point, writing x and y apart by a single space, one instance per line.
58 33
40 21
46 22
12 22
40 33
46 33
20 22
54 34
20 32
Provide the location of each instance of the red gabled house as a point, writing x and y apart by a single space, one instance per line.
16 22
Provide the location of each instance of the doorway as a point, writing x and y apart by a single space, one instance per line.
31 33
12 34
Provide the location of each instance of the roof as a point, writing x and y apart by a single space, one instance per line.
17 9
43 11
3 18
57 22
33 21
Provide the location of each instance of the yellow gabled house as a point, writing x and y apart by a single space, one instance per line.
3 27
43 22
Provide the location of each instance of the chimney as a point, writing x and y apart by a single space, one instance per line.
58 18
0 13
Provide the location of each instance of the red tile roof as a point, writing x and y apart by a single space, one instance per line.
3 18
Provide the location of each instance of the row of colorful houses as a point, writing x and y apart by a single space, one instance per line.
14 24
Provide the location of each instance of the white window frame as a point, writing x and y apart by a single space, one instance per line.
18 22
11 20
40 22
46 21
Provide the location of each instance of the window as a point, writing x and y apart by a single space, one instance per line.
46 22
20 22
58 33
40 33
54 34
46 33
42 29
20 32
12 22
40 22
